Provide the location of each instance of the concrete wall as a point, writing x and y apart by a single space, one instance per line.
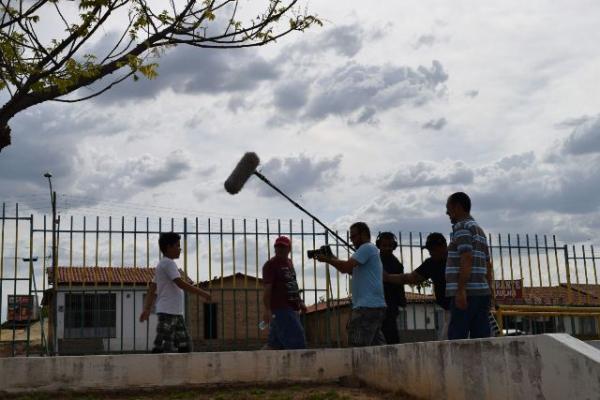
527 367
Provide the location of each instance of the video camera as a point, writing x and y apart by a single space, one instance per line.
323 251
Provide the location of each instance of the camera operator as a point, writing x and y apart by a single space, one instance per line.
394 294
368 302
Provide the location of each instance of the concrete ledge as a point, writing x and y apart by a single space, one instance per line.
525 367
148 370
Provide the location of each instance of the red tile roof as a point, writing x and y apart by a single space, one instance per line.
104 275
411 298
558 295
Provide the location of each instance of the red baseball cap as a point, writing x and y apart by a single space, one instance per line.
283 241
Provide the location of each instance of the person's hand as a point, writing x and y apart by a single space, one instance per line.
302 308
322 258
144 316
461 299
267 316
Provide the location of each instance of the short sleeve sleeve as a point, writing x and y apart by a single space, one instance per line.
463 239
363 253
268 274
424 270
172 271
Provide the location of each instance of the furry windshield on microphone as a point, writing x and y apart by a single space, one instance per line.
242 172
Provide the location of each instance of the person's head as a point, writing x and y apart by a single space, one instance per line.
170 244
436 245
386 242
283 246
458 206
359 234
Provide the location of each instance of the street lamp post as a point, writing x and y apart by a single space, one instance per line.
52 315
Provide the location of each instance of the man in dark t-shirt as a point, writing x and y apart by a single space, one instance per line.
394 294
433 268
281 300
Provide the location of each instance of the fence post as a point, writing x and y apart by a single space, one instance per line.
569 294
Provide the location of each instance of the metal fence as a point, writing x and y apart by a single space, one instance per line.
93 281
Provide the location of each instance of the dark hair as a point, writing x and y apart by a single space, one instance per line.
361 227
167 239
461 199
435 239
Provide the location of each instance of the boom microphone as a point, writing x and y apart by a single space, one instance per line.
246 168
242 172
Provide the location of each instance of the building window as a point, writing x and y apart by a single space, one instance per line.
90 315
210 320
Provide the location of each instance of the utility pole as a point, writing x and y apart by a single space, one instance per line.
52 314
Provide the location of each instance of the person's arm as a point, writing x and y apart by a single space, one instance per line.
267 292
150 299
403 279
464 245
192 289
490 279
344 266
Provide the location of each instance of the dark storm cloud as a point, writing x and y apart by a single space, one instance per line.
435 124
301 174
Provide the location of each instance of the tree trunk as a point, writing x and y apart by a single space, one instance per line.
4 135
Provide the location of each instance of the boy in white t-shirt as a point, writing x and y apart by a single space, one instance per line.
167 290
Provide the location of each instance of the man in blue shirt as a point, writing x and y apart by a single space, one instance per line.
368 301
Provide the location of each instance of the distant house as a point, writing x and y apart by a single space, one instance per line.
231 320
326 322
98 308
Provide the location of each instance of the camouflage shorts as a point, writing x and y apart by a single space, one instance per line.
364 327
171 334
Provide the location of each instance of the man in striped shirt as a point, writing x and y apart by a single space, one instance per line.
468 272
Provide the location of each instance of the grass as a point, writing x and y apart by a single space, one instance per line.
295 392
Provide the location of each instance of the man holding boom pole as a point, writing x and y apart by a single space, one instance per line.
368 301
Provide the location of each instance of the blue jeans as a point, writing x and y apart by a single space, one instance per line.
286 331
470 323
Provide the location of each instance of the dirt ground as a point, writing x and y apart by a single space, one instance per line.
289 392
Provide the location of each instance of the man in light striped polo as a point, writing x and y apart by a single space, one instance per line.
468 272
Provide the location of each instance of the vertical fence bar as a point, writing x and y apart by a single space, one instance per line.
135 242
197 243
587 282
110 242
234 281
501 257
258 299
568 271
222 259
576 273
529 260
510 259
245 235
122 285
2 255
314 246
44 246
594 266
84 264
556 259
16 274
97 241
547 260
520 259
539 264
302 267
147 283
32 296
71 242
410 247
186 310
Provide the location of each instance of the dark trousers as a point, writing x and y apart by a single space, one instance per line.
389 327
470 323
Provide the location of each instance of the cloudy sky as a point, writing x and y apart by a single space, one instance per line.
377 116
